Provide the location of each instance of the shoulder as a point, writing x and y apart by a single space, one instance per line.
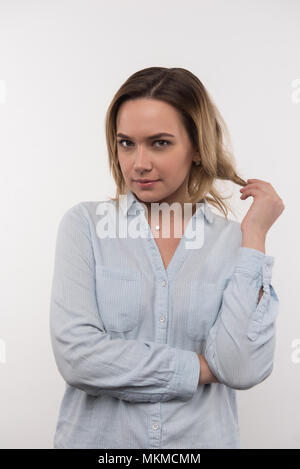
226 223
227 231
84 214
79 213
85 208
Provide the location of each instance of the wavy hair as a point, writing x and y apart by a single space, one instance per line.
202 120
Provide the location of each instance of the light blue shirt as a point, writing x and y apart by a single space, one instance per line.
126 332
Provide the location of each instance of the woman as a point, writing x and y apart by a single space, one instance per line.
153 334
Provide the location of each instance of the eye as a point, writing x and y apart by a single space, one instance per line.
164 141
120 142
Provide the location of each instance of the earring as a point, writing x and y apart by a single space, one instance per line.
197 163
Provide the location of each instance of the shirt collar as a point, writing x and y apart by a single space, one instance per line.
133 205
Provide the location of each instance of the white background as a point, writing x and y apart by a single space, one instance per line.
60 64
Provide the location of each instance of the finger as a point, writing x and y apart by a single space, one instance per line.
267 188
252 185
257 180
255 185
253 192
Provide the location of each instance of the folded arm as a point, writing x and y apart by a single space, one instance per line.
85 354
241 343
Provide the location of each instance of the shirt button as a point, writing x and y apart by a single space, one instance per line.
155 426
162 319
164 283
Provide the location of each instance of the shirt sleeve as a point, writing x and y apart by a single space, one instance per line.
241 343
86 356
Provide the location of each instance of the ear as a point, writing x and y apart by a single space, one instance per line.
196 157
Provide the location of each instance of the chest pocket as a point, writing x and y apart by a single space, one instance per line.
119 298
204 305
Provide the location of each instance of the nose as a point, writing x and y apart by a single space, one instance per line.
142 161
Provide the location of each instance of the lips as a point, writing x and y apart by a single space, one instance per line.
146 180
148 184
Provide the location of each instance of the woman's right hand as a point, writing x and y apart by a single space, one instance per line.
206 375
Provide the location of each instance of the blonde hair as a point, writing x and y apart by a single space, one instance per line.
203 123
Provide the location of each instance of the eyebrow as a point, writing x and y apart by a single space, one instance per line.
162 134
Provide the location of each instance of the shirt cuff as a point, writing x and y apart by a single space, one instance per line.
255 261
187 374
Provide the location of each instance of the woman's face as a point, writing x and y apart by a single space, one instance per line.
165 158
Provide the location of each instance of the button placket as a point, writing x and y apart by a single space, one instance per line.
162 281
162 318
261 308
266 277
155 429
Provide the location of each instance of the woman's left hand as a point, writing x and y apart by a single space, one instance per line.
265 209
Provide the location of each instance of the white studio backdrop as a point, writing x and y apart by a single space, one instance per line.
60 64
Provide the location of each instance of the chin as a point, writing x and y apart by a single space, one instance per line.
147 197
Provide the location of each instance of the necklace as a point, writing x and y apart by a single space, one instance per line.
157 227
